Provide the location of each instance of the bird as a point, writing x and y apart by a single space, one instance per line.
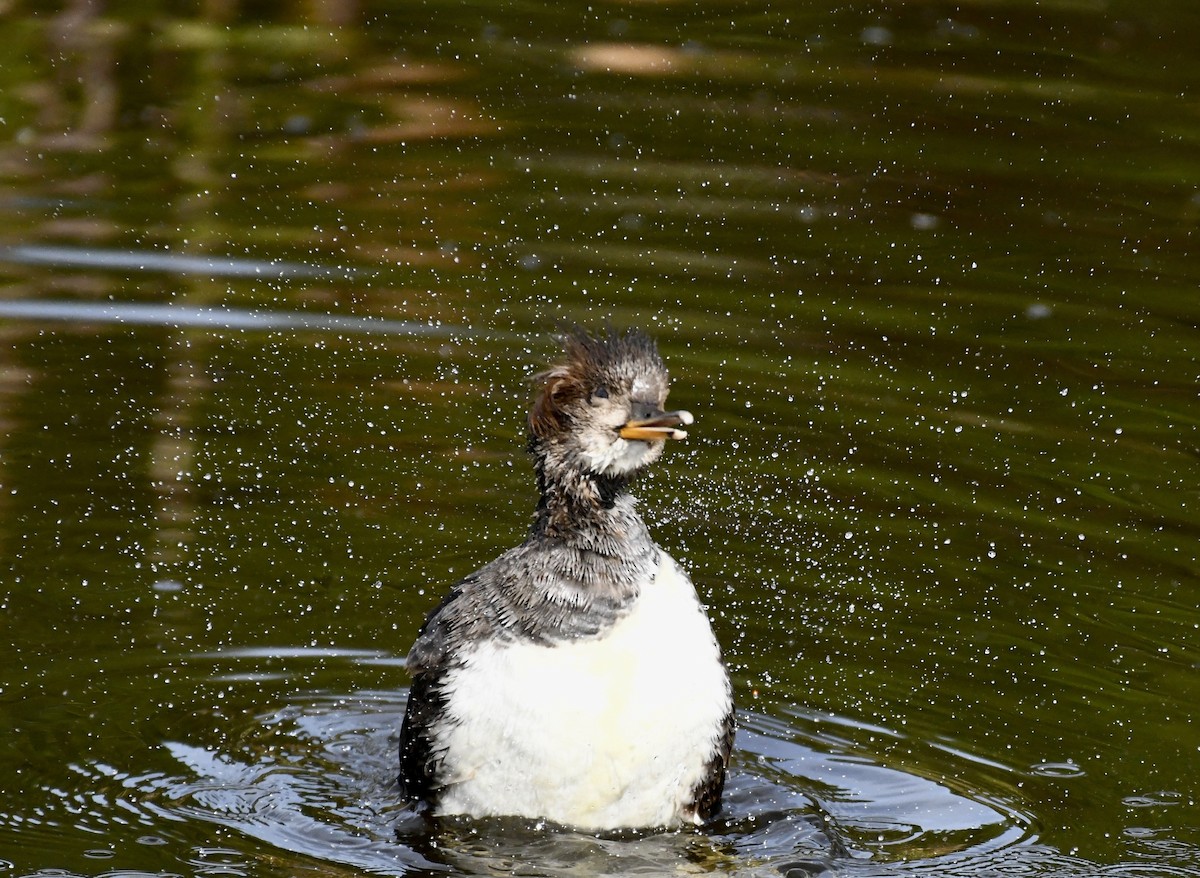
576 678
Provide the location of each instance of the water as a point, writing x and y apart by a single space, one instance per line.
313 779
274 281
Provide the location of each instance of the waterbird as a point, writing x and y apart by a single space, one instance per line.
576 679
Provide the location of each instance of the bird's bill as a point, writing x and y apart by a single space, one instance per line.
658 427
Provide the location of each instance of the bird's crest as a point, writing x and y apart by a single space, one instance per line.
592 360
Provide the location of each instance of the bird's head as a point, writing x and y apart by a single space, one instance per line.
602 411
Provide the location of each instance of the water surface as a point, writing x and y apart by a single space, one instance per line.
272 282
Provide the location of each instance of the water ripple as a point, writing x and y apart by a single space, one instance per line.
170 263
222 318
317 779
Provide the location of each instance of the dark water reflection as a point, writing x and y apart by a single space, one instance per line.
272 284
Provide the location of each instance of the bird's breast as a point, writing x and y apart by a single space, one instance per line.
600 732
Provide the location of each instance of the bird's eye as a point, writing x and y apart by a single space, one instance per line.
600 392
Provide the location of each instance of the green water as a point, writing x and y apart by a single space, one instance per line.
925 273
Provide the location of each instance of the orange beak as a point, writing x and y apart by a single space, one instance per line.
658 427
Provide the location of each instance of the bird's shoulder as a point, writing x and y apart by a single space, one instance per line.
529 594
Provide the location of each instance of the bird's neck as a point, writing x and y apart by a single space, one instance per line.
587 512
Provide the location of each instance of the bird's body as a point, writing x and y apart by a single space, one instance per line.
576 678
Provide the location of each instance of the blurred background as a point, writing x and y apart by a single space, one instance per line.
273 276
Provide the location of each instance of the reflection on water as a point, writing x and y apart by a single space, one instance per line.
220 318
170 263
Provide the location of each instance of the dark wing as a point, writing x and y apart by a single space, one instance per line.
706 798
429 662
419 757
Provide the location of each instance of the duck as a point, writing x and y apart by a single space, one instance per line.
576 679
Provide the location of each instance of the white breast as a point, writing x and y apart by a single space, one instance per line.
599 733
